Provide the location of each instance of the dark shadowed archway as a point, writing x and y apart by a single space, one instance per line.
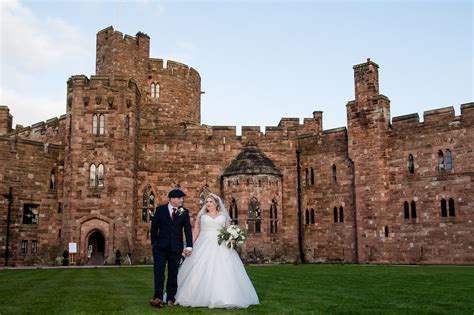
95 248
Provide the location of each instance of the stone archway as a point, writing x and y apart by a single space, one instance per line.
95 248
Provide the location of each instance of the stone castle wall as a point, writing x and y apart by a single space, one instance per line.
26 167
356 180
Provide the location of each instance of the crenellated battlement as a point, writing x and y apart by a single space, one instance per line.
109 38
406 121
286 122
288 128
109 33
96 82
434 118
172 68
438 116
49 131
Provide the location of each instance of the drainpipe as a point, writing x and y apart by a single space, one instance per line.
354 205
300 219
9 197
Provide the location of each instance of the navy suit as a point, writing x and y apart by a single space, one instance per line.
167 244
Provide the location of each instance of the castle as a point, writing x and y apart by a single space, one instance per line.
382 190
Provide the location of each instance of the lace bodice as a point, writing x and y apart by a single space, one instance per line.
209 223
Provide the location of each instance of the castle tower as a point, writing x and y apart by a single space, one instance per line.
100 166
368 119
171 92
252 187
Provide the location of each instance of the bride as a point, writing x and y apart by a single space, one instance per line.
213 276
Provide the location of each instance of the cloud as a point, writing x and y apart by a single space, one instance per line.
31 109
32 43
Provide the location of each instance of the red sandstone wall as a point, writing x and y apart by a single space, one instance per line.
326 240
195 156
51 131
431 238
26 167
108 209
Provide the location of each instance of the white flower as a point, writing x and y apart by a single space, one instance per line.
180 211
232 236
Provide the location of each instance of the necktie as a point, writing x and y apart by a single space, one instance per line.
174 214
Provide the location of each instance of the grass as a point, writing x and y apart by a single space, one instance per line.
294 289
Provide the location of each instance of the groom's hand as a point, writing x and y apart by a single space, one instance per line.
187 252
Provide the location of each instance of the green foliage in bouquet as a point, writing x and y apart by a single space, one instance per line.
232 236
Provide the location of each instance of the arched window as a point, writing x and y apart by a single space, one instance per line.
334 173
452 212
440 162
413 210
52 180
386 231
92 176
312 176
101 124
127 125
312 216
449 160
100 175
154 90
203 195
258 220
335 214
151 205
306 178
234 212
444 208
254 219
144 206
148 204
341 214
411 164
94 124
273 217
306 217
406 209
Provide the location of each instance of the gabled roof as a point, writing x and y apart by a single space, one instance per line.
252 161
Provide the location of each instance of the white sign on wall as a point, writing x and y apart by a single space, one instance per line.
72 248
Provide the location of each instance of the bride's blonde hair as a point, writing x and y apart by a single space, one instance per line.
215 200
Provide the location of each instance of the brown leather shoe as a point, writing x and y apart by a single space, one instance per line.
156 302
170 303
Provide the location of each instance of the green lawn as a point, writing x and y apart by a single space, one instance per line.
281 289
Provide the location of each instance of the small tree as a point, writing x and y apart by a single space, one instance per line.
117 257
65 258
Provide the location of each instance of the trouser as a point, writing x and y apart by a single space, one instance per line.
160 258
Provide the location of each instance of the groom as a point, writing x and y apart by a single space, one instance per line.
167 227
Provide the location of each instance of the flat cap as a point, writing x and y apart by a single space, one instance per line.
176 193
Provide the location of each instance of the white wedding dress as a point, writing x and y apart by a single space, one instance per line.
214 276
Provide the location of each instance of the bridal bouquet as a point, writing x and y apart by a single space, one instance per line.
232 236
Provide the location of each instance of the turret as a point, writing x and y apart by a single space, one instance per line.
368 119
5 120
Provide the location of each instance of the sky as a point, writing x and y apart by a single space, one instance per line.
259 60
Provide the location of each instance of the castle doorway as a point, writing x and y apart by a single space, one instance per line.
95 248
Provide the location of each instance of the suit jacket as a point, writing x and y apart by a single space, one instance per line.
167 234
